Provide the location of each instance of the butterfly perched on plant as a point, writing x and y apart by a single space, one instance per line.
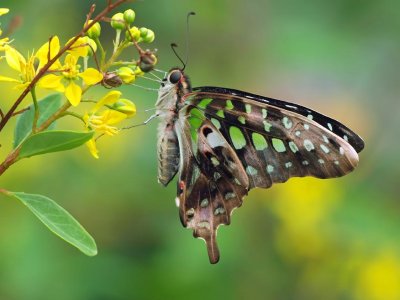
223 142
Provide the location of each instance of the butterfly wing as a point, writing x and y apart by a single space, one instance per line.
274 143
231 141
212 181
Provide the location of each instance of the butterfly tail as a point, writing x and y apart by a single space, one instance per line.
210 237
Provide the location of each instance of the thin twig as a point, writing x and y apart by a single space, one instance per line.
21 111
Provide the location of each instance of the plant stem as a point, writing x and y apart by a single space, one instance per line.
10 159
117 40
102 52
36 106
70 113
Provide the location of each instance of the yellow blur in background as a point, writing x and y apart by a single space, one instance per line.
304 239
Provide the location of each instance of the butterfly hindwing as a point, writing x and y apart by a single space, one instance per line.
212 181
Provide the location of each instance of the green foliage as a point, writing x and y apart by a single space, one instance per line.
47 107
53 141
59 221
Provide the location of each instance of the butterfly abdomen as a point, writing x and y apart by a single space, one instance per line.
168 153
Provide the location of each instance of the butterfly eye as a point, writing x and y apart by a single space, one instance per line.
175 76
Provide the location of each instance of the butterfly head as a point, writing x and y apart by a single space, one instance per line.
179 80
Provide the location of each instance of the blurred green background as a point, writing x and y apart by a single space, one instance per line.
305 239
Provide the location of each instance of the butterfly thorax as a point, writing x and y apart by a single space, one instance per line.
168 105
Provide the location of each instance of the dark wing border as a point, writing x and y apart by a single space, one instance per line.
336 127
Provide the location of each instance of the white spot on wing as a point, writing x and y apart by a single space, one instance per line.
291 106
215 140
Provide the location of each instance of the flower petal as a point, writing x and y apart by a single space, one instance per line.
52 82
112 117
73 92
43 53
110 98
14 59
91 144
4 11
91 76
8 79
79 48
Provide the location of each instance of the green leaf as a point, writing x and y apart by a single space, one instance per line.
47 107
59 221
53 141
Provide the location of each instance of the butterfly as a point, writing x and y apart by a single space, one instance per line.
222 143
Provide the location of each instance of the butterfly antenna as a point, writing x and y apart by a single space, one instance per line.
192 13
173 45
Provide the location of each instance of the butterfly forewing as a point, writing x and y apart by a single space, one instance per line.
332 125
275 144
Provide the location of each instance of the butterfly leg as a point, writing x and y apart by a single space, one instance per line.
144 123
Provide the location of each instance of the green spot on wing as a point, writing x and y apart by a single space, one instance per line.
287 123
221 114
195 118
267 126
216 123
278 145
237 137
242 120
259 141
251 171
229 104
204 103
248 108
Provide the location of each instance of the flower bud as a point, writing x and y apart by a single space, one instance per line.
133 33
149 38
126 74
111 80
125 106
143 32
94 31
129 16
117 21
147 61
91 45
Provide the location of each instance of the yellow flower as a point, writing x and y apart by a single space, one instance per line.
26 67
91 144
104 122
65 82
4 11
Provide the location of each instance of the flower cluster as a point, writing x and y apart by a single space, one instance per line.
65 69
